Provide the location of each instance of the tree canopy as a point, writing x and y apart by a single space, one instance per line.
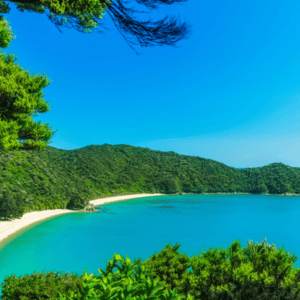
87 16
21 99
11 205
6 34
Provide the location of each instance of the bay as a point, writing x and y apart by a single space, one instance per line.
139 227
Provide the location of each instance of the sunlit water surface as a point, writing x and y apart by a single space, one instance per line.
139 227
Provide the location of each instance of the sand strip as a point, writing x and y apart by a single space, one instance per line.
10 228
120 198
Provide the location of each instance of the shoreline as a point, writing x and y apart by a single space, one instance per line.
112 199
10 229
234 193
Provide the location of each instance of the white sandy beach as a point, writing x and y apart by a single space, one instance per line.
8 228
120 198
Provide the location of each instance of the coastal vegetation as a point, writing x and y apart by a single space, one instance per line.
257 271
274 179
56 178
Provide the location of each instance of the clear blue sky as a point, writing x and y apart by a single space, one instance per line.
231 92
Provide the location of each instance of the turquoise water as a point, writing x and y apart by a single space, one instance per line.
138 227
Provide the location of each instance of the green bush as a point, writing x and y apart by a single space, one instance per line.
257 271
40 286
130 281
170 267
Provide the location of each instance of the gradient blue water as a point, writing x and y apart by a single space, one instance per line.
74 242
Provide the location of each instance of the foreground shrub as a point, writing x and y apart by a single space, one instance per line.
39 286
169 266
255 272
258 271
130 281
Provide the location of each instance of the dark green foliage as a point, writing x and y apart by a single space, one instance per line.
40 286
11 205
41 183
122 169
59 178
77 202
275 178
170 267
258 271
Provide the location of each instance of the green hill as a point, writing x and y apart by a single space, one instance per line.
275 178
54 178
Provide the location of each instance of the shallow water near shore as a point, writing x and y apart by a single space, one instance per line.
139 227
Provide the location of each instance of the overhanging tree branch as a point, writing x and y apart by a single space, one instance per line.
167 31
87 16
155 3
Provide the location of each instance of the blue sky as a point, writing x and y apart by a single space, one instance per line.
231 92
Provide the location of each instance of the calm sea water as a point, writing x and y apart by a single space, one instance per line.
139 227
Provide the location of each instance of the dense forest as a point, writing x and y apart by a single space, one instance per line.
54 178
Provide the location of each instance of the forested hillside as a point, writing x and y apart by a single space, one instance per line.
56 178
275 178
